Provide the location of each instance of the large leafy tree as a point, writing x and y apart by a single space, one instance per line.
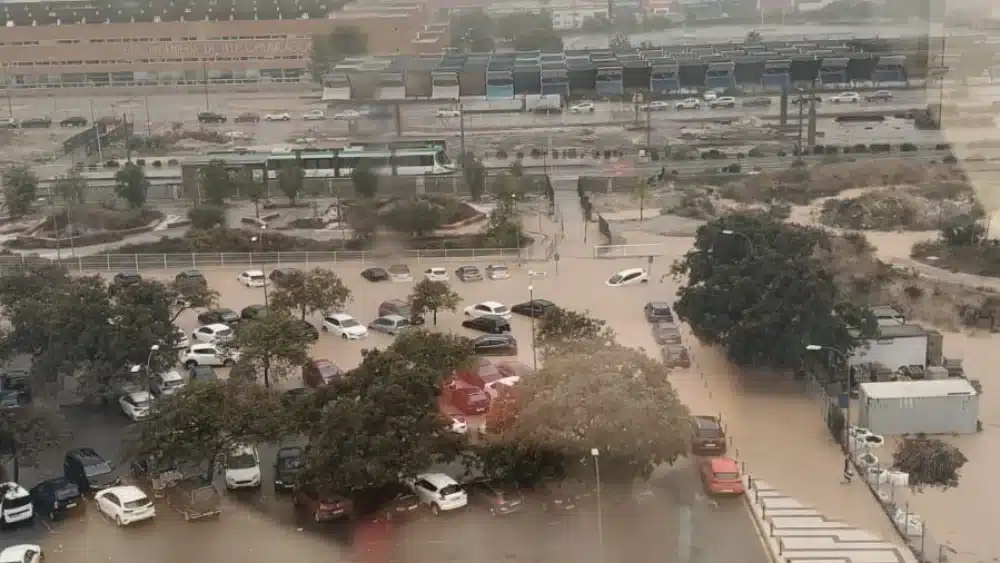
291 180
27 431
928 461
20 186
433 296
274 345
206 419
217 183
365 180
561 328
761 289
613 398
416 217
318 290
71 188
132 185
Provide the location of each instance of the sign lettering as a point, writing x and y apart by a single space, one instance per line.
213 49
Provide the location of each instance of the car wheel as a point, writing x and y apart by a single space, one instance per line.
344 336
644 281
324 329
435 509
190 364
228 363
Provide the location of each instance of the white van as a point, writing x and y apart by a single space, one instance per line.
242 468
15 504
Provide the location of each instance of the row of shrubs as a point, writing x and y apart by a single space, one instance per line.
715 154
158 163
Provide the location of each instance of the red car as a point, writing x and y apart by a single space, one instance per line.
480 375
321 507
721 476
468 399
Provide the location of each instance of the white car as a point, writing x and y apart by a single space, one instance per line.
448 112
846 98
314 115
252 278
207 355
136 405
213 333
22 553
168 383
488 308
347 115
657 106
283 116
400 273
710 96
494 388
182 339
242 468
497 272
630 276
125 504
723 102
345 326
459 424
439 491
436 274
15 504
688 103
583 107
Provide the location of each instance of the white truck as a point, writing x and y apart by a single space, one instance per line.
543 103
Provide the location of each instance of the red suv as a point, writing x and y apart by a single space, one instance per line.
466 398
311 503
482 373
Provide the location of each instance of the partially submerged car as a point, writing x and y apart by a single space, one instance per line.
676 356
194 498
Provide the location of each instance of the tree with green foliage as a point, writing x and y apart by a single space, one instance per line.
760 288
275 345
217 184
753 36
190 295
415 217
27 432
363 218
560 327
474 172
208 419
132 185
317 291
928 461
20 186
291 180
207 217
329 49
433 296
613 398
963 231
365 180
71 188
255 191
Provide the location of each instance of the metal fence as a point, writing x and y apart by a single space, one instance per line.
630 250
893 499
141 262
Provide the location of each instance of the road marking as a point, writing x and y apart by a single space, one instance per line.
46 524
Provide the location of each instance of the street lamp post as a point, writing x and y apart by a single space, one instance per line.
259 239
595 453
732 233
847 388
531 298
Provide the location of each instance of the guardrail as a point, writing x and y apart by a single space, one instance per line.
148 262
629 250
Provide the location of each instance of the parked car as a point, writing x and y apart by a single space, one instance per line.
439 491
241 468
85 468
495 345
721 476
479 374
198 372
436 274
320 506
347 115
707 436
469 273
879 96
136 405
211 117
314 115
125 279
207 355
252 278
375 274
288 465
658 311
658 105
15 504
488 308
499 498
710 96
247 117
676 356
757 102
400 273
513 368
497 272
390 502
846 98
194 499
723 102
805 99
493 324
448 112
125 504
74 121
308 330
344 326
390 324
560 496
468 399
630 276
536 308
583 107
190 278
320 373
253 312
212 333
666 333
43 122
22 553
56 498
278 116
167 383
688 103
218 316
8 123
401 308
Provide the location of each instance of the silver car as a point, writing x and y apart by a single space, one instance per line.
390 324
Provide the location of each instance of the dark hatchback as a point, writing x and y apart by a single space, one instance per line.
253 312
287 467
125 279
500 499
495 345
190 278
401 308
56 498
202 373
390 502
658 311
88 470
536 308
219 316
707 436
211 117
308 330
375 274
493 324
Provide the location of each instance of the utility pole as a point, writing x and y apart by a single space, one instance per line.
461 134
649 130
204 73
802 109
128 140
149 122
6 89
97 129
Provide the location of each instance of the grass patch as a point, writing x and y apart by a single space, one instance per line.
977 259
234 240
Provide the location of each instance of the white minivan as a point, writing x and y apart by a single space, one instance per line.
439 491
242 468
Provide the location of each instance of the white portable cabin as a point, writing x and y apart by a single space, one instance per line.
941 406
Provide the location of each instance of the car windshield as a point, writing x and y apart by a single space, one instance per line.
289 463
329 372
97 469
617 278
499 268
403 322
10 399
241 461
450 490
257 277
141 403
709 433
348 323
502 309
727 476
224 333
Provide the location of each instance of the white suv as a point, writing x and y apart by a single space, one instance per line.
723 102
689 103
439 491
242 468
207 355
252 278
846 98
345 326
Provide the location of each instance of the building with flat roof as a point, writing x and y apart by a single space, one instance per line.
46 44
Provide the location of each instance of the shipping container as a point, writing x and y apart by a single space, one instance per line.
894 408
900 345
